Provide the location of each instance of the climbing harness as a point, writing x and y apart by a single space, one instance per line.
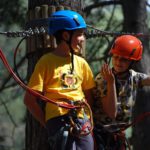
76 128
109 137
64 128
115 134
58 137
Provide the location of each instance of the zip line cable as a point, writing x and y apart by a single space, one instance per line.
36 28
26 33
95 32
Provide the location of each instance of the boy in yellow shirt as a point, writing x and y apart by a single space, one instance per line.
66 78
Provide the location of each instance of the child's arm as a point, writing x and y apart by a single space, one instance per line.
31 103
110 100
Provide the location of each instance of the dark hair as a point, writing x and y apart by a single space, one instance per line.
58 35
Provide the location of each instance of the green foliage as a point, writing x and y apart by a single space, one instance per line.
12 112
108 19
12 109
12 12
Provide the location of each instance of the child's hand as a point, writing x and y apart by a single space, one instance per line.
107 74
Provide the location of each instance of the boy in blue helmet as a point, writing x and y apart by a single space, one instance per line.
67 79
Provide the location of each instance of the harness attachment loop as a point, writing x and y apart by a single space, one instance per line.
76 128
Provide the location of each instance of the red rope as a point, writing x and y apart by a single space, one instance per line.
31 91
138 119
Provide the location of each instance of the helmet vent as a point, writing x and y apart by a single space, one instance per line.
77 21
134 49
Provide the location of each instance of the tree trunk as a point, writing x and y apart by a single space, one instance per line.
36 136
135 22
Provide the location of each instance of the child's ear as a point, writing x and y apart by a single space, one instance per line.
65 35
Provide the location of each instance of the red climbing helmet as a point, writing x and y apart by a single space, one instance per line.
127 46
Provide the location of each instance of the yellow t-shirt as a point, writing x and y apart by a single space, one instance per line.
52 76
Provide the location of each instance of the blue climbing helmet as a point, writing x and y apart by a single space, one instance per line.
65 20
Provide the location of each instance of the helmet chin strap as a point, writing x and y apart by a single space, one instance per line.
72 58
71 50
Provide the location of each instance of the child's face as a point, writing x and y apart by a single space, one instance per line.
120 63
78 39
